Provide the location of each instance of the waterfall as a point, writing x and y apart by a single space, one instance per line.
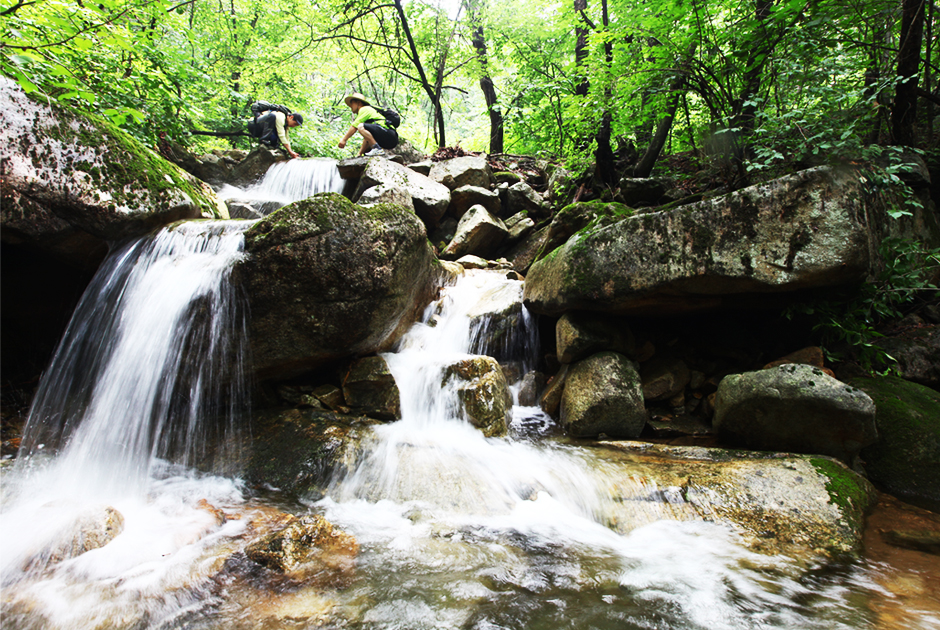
286 182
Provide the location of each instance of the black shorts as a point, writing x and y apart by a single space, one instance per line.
387 138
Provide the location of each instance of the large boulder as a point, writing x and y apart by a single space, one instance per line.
577 216
328 279
790 504
905 459
70 178
478 232
465 197
520 197
579 335
430 198
796 408
483 393
602 395
812 229
462 171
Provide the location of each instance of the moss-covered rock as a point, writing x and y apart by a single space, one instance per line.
779 503
905 461
579 216
328 279
86 172
483 393
815 228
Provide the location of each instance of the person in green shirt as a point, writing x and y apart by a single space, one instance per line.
371 125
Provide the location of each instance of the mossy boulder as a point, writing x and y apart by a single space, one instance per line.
796 408
577 216
789 504
328 279
483 393
905 461
369 388
816 228
68 175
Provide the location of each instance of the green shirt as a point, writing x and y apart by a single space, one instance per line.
367 114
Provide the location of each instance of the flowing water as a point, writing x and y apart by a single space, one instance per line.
286 182
455 530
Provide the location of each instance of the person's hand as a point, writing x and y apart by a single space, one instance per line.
342 144
294 154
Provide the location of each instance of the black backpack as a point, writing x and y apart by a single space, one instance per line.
392 117
260 107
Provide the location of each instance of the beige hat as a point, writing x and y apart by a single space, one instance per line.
356 96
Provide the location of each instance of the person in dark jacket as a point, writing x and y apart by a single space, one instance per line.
274 126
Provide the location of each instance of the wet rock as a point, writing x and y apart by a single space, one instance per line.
518 225
472 262
506 177
463 198
926 541
462 171
579 335
499 317
483 392
918 354
430 198
787 504
520 197
242 210
478 232
369 388
533 383
308 547
550 401
423 167
331 397
72 181
384 193
93 528
665 377
299 450
255 166
602 395
794 408
904 460
328 279
811 229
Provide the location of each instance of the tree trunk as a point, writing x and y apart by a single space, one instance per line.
904 112
604 154
580 47
425 84
489 90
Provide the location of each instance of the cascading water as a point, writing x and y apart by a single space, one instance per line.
286 182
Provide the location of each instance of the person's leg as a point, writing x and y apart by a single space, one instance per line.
367 140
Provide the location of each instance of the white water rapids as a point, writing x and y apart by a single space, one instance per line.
456 531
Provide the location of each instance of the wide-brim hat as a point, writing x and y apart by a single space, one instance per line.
357 97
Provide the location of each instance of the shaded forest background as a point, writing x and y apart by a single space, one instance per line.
747 88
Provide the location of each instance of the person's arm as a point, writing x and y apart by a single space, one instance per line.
349 134
281 125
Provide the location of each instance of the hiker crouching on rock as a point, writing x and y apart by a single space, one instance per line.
273 128
371 125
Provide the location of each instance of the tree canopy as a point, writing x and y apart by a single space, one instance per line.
751 85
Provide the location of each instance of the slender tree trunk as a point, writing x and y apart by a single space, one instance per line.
676 94
580 48
904 112
425 83
486 85
604 154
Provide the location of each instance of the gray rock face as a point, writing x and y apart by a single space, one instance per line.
918 354
519 225
483 392
384 193
602 395
664 377
65 172
462 171
430 198
328 279
579 335
465 197
810 229
524 253
370 388
796 408
478 232
521 197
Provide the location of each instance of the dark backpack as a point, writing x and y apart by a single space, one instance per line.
392 117
260 107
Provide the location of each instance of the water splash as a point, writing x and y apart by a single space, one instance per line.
286 182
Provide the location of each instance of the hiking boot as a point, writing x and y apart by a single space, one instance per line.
374 151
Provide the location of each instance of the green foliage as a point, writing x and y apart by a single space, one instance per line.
851 320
